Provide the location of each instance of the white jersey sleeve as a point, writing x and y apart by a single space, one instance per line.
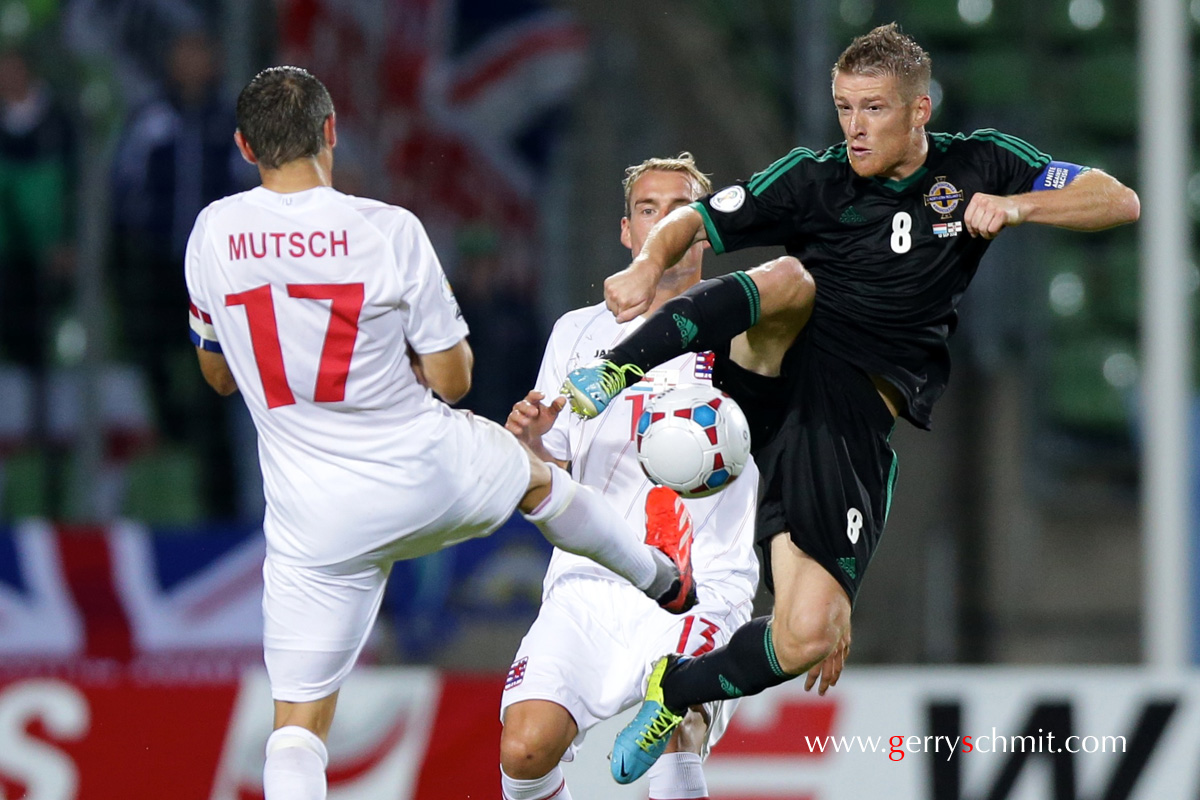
203 334
434 322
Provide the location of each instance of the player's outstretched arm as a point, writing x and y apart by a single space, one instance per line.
448 373
1093 201
215 370
529 421
628 293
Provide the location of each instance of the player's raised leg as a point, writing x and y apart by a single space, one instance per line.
774 299
578 519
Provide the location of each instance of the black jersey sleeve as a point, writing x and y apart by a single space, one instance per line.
1010 164
765 210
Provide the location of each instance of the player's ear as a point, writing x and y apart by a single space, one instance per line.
330 131
244 147
923 111
625 240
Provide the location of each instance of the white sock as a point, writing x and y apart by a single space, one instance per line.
551 785
579 520
678 776
295 768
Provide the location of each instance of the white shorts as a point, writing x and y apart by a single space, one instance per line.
317 619
594 642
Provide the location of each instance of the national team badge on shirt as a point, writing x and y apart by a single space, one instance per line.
944 230
943 197
704 364
516 674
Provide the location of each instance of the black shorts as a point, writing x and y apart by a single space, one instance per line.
819 434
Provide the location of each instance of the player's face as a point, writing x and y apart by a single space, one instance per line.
655 195
885 136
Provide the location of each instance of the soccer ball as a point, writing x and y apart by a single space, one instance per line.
693 439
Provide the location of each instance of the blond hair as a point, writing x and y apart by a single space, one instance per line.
889 51
684 162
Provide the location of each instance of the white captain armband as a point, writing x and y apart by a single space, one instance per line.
204 335
1056 175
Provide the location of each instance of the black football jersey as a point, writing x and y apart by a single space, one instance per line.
891 259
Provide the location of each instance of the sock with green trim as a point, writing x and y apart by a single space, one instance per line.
745 666
704 317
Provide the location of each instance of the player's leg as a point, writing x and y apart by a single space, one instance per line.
578 519
810 616
564 677
679 774
496 474
315 624
827 477
535 736
538 732
811 612
791 291
296 754
778 295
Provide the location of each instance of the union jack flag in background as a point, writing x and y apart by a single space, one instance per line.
450 106
122 592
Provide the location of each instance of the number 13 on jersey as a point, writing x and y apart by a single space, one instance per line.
346 301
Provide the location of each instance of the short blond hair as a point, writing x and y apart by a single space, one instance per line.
887 50
684 162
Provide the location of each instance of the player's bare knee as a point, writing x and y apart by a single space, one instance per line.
784 287
802 642
524 754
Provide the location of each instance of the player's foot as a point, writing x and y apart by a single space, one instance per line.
591 386
669 530
643 740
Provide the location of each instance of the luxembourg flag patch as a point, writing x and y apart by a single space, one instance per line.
516 674
944 230
704 364
203 334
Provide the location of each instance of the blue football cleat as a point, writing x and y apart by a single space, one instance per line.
591 387
644 739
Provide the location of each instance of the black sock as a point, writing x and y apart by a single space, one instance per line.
747 665
704 317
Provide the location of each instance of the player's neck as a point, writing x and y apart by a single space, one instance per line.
916 157
296 176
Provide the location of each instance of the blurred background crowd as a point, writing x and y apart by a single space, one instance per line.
505 125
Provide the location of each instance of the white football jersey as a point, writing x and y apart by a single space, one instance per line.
315 298
603 455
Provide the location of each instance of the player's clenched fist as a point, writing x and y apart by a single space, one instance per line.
988 214
628 293
529 419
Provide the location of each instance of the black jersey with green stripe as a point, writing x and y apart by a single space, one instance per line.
891 259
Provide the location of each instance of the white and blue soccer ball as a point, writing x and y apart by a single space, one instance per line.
693 439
